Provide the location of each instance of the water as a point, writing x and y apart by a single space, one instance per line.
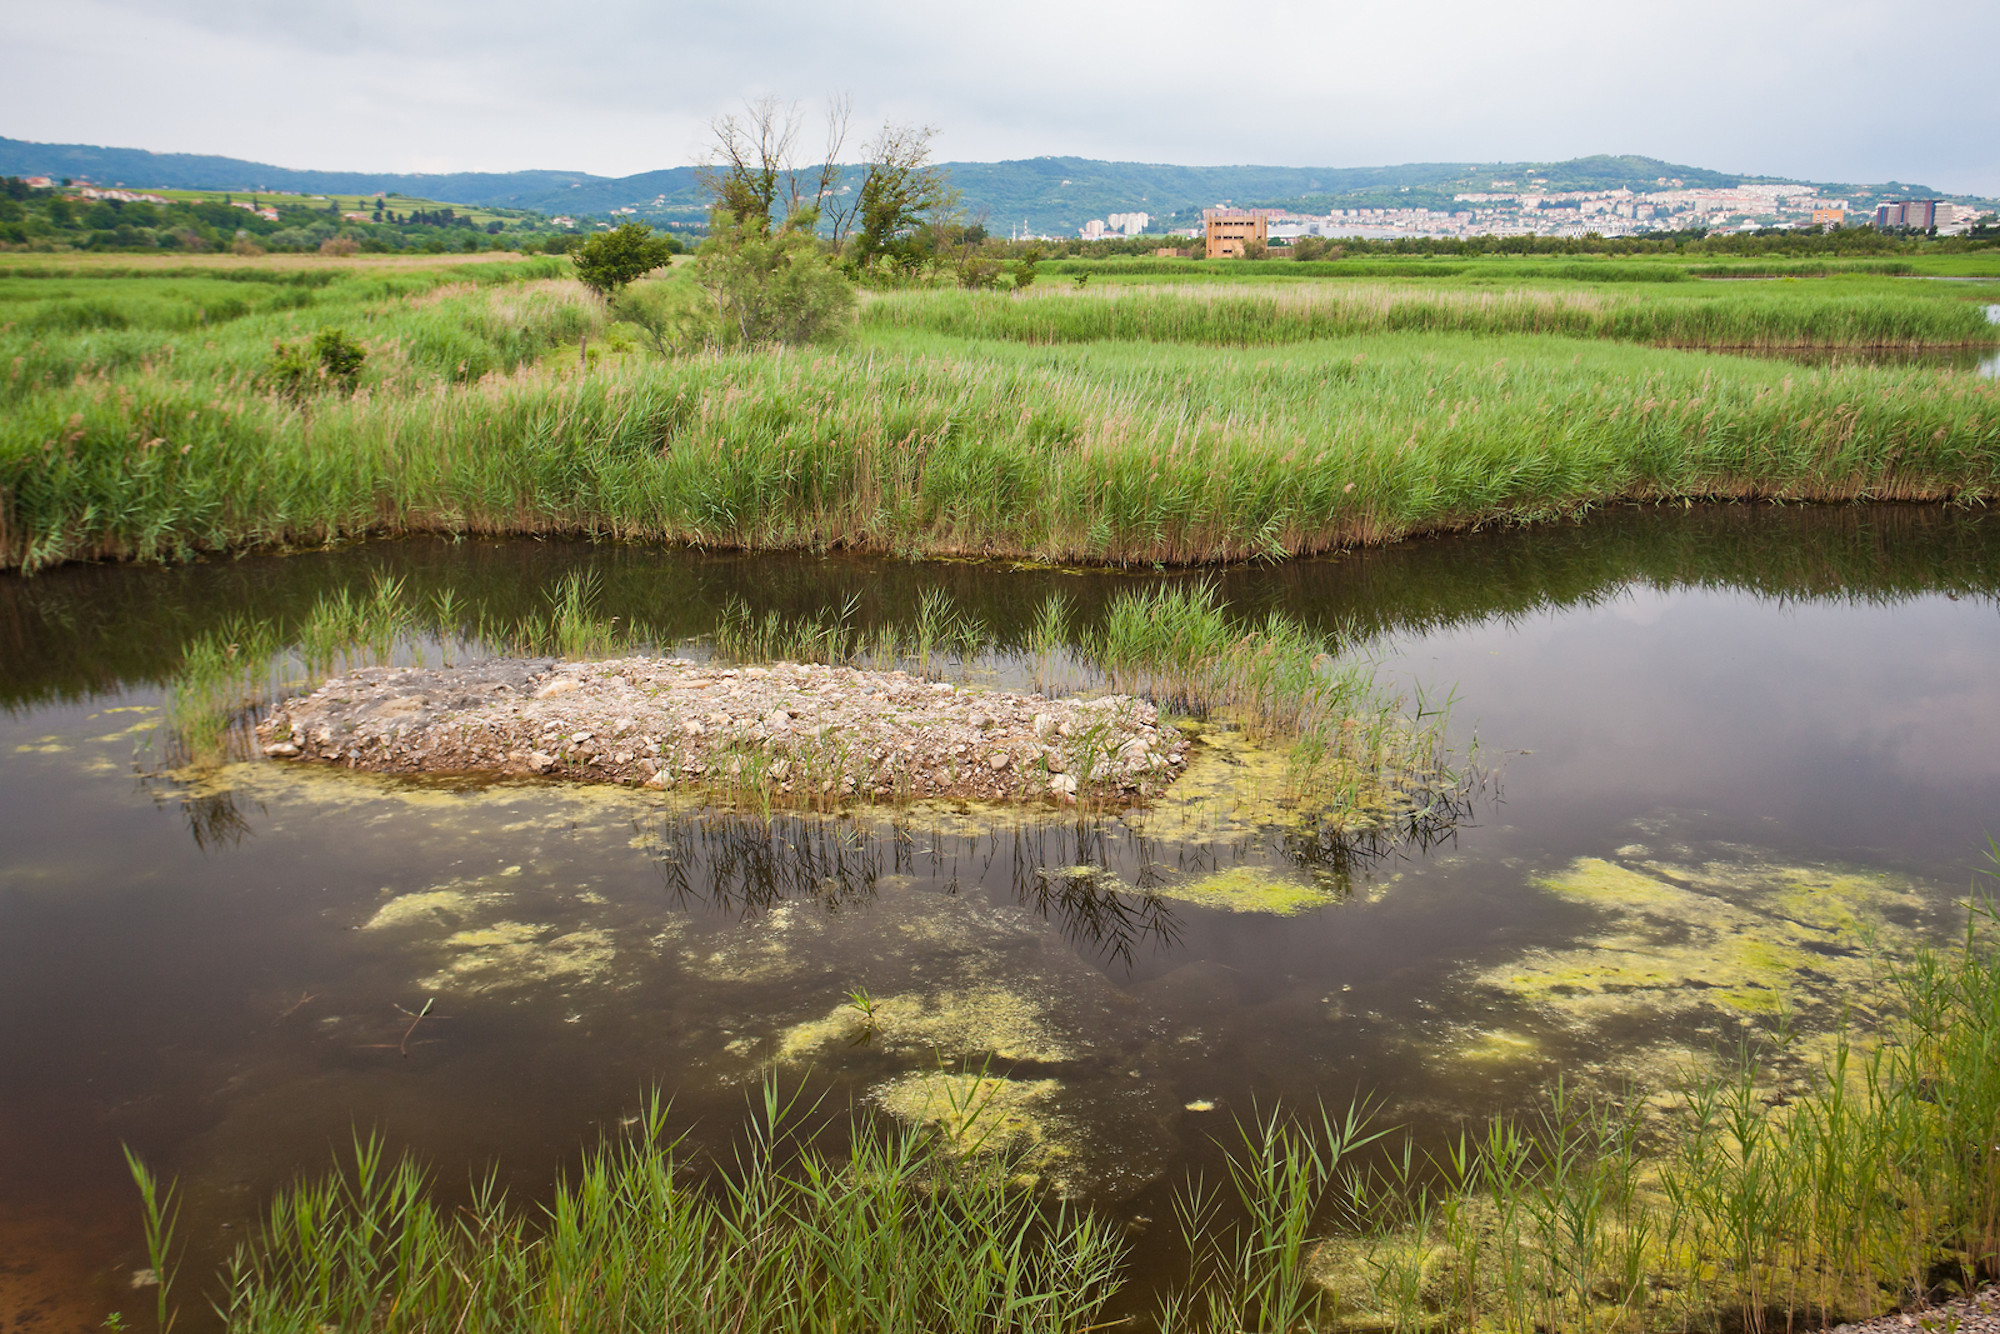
1711 733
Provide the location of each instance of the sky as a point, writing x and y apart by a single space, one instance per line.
1834 90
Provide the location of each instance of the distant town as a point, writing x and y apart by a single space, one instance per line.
1514 208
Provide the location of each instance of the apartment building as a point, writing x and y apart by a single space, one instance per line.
1230 229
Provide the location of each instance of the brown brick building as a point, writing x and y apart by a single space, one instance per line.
1229 229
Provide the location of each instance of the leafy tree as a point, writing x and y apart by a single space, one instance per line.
1024 268
609 260
901 188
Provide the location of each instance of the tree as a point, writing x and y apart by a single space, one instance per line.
753 174
1024 268
770 287
901 188
609 260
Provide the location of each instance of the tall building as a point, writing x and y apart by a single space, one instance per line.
1919 213
1230 229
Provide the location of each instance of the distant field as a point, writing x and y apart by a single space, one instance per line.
346 202
1512 268
1229 418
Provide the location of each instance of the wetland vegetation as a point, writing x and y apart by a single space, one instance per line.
1795 1165
145 419
1750 1196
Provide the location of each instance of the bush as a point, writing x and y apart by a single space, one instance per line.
609 260
978 272
339 246
1024 267
330 360
672 315
771 287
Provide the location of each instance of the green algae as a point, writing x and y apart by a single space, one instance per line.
1249 889
1744 937
446 906
505 955
981 1113
979 1021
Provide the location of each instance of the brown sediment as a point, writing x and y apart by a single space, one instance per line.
787 731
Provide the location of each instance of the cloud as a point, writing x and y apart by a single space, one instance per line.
1842 91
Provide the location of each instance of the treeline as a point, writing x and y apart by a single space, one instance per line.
58 218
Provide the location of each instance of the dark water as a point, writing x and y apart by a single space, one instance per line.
1713 736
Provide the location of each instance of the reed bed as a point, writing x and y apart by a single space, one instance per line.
1872 1185
1111 453
1262 315
895 1234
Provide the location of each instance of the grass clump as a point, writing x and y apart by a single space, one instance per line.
1747 1199
1355 759
894 1234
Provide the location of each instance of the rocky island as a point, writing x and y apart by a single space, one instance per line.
795 730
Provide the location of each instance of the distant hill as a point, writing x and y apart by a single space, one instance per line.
1054 195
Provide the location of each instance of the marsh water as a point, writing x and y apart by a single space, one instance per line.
1722 754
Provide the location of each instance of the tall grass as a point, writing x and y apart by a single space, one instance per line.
1872 1183
216 326
1107 453
1240 315
896 1234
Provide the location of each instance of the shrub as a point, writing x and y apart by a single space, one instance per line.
1024 267
331 359
772 288
609 260
670 314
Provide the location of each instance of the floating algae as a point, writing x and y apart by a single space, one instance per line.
513 954
1248 889
980 1113
1740 938
980 1021
447 906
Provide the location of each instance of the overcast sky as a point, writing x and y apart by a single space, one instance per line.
1857 90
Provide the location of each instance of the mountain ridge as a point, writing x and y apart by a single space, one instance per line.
1042 194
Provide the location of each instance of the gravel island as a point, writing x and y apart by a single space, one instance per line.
788 730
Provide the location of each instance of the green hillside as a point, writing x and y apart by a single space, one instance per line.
1053 195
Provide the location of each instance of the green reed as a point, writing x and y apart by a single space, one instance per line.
1106 453
1356 758
160 1213
1262 315
895 1233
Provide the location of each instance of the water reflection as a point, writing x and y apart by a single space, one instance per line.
1730 729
